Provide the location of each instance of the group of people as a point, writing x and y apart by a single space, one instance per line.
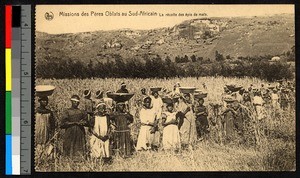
172 121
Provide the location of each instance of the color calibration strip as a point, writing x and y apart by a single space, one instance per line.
12 72
8 104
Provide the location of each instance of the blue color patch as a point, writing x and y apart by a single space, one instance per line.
8 155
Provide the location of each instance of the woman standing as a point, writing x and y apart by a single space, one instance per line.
201 118
100 129
171 137
44 126
122 140
148 124
258 103
228 121
187 126
73 121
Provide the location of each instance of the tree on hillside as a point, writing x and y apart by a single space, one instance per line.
219 56
193 58
168 60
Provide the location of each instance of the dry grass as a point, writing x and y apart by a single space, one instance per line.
276 151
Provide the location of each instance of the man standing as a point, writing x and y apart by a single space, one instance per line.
123 88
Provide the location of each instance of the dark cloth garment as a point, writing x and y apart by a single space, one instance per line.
74 143
239 120
180 116
201 121
88 106
121 90
246 97
234 122
267 98
121 136
284 101
228 124
44 125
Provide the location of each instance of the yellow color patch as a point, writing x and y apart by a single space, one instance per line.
8 70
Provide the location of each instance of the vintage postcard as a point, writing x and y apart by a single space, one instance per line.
164 88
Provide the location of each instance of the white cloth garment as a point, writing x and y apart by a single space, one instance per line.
98 147
258 102
145 138
275 100
171 137
157 105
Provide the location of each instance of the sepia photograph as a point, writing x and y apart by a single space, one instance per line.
129 88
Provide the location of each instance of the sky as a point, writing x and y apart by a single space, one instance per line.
73 24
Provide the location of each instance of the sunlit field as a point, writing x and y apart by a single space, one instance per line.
275 151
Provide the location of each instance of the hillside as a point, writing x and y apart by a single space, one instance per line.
239 36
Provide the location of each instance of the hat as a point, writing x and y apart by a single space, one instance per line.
155 89
100 103
86 92
99 94
120 97
186 90
75 98
229 99
44 90
123 84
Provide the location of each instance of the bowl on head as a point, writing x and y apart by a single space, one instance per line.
44 90
186 90
120 97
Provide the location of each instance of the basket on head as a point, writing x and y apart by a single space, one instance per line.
197 91
200 95
120 97
155 89
167 100
187 89
44 90
271 87
233 87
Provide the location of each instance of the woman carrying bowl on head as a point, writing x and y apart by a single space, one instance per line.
44 122
187 126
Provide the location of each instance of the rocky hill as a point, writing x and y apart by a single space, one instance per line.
238 36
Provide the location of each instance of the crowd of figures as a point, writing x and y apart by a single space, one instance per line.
169 120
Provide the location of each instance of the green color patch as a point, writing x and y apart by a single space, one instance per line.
8 112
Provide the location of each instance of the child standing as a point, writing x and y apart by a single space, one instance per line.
171 137
100 129
148 124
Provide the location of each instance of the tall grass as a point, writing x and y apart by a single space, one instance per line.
276 150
